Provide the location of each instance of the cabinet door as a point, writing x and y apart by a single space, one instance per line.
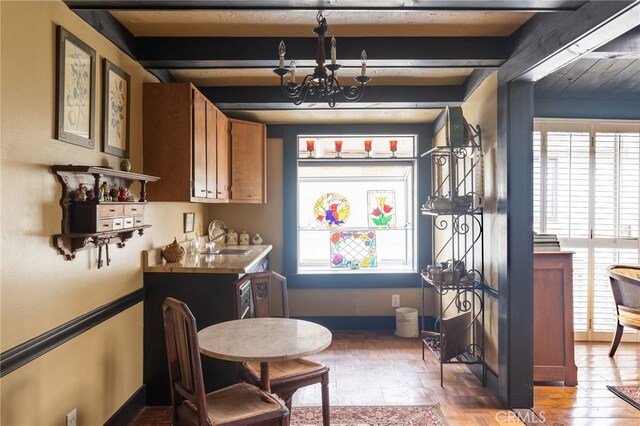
212 154
248 162
223 156
199 145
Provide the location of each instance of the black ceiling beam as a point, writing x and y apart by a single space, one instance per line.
474 80
378 97
262 52
549 42
103 22
488 5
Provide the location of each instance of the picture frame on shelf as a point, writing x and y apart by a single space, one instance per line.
189 222
75 90
116 89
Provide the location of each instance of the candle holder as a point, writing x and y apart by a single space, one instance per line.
310 149
367 148
393 147
338 145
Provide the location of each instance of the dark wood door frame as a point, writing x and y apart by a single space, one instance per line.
543 45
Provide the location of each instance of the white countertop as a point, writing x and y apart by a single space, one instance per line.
206 263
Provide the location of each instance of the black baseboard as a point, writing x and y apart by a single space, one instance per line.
129 410
492 378
363 323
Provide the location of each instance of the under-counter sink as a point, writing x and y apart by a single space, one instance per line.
237 251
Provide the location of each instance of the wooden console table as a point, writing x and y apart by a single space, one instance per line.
553 346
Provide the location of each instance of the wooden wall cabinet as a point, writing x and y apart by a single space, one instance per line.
182 144
198 151
553 345
248 162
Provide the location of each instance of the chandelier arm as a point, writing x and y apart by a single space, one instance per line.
292 90
353 93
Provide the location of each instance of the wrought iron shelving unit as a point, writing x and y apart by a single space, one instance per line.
457 273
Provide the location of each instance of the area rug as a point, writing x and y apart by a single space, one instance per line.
394 415
631 394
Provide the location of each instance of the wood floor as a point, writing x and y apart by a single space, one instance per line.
375 368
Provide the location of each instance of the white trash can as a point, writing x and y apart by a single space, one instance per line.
406 322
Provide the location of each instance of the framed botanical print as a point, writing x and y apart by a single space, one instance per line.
75 90
115 110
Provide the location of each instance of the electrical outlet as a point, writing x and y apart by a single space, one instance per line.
71 418
395 301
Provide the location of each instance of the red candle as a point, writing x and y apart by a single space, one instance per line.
367 146
310 146
393 146
338 146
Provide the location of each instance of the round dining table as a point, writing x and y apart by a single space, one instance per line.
263 340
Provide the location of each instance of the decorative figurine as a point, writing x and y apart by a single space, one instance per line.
257 240
90 194
81 193
130 197
104 192
113 192
122 194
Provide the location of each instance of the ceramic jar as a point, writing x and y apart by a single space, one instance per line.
174 252
244 238
257 240
232 238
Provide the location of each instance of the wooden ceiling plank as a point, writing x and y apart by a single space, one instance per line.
557 81
619 71
595 77
488 5
261 52
628 88
549 47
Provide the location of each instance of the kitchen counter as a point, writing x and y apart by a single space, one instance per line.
207 263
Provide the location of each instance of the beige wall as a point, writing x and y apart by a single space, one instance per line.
482 108
267 220
99 370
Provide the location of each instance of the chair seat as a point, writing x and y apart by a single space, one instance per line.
238 402
283 370
629 317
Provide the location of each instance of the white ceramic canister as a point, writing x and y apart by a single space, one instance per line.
232 238
257 240
244 238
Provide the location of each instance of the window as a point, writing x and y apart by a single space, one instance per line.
587 191
356 206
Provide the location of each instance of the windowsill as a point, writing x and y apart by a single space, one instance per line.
361 278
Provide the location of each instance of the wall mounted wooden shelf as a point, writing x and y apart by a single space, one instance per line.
93 221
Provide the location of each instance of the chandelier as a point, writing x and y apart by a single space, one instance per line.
323 83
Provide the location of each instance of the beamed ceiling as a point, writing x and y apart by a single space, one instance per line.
423 54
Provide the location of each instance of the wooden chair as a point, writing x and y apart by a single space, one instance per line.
237 405
625 284
286 377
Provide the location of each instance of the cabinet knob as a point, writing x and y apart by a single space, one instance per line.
203 190
209 192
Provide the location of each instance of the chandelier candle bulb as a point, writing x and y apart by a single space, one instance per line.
281 51
310 146
333 50
363 58
292 67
